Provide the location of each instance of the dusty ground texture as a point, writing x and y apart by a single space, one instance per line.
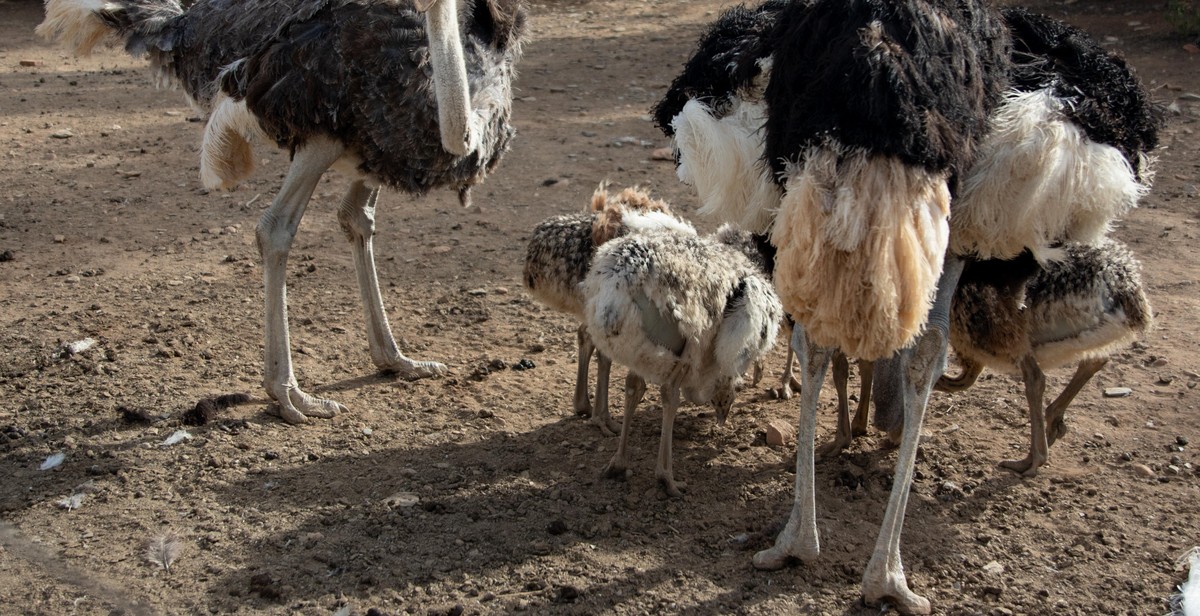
480 492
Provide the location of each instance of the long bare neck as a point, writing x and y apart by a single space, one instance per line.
449 76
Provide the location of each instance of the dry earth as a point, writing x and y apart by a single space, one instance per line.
480 492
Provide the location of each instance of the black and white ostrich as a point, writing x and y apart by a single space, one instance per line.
558 257
875 114
687 313
405 94
1081 308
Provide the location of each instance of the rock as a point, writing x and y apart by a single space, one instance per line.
64 133
1142 470
663 154
780 433
1117 392
1181 440
477 292
7 255
30 62
993 568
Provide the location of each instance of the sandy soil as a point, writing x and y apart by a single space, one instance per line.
480 492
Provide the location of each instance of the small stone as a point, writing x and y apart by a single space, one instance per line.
663 154
367 431
477 292
1181 440
1117 392
993 568
1142 470
7 255
60 239
30 62
780 433
62 134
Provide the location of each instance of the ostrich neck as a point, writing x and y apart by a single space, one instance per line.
449 76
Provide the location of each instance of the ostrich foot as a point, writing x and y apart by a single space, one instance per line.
892 588
1058 429
608 426
779 556
789 388
840 441
584 409
410 369
295 407
616 469
673 488
1027 467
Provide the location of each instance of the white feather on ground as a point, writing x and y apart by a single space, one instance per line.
163 550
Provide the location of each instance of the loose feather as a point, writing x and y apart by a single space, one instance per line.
163 550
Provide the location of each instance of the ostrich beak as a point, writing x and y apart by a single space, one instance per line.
449 74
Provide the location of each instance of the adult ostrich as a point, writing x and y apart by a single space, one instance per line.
404 94
870 110
873 105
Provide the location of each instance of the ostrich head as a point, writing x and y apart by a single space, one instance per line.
449 74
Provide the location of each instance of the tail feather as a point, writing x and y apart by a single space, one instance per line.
226 156
861 239
83 24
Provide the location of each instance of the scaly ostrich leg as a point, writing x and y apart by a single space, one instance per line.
274 234
600 413
906 379
635 388
1056 428
357 217
582 405
799 538
1035 390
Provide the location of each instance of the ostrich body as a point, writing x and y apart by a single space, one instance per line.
875 113
1082 308
558 258
683 312
385 94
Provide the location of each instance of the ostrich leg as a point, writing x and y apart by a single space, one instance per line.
274 234
582 405
663 469
635 388
905 379
357 217
799 538
1035 389
1055 426
600 413
847 430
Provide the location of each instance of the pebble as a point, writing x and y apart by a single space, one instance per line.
993 568
30 62
62 134
1142 470
1117 392
663 154
1181 440
780 433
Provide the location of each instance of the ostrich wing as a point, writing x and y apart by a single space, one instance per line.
659 327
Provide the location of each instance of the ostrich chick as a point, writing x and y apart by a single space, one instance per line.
557 260
684 312
1016 316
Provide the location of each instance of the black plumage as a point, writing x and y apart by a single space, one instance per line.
911 80
1101 92
409 94
725 60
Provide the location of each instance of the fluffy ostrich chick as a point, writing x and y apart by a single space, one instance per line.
683 312
1080 309
557 260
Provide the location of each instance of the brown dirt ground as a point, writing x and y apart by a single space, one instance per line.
111 237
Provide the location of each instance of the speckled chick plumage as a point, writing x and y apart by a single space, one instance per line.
561 248
1087 305
662 302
